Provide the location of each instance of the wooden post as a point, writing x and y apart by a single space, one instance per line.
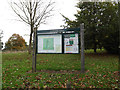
82 48
35 49
34 53
68 85
33 62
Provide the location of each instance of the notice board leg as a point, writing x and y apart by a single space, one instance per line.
82 47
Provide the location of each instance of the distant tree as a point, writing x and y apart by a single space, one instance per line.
100 20
1 43
15 42
33 13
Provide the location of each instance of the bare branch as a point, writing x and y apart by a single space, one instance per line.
23 9
35 10
18 14
45 14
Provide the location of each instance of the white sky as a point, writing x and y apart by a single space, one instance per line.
10 25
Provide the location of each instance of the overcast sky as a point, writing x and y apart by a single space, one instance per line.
10 25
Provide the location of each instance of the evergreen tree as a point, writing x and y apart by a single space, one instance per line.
100 20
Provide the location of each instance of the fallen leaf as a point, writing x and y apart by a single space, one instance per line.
48 81
38 78
45 86
83 86
104 76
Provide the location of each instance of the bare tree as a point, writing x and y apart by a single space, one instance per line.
33 13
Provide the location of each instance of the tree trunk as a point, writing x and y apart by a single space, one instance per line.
95 47
95 44
30 41
31 27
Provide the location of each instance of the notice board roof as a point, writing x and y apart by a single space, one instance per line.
53 31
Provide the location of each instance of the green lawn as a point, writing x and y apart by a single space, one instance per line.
101 71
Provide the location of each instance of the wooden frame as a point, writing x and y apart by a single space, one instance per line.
79 31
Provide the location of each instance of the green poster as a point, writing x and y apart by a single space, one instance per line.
71 42
48 44
72 35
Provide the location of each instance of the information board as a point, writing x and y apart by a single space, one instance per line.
49 43
71 43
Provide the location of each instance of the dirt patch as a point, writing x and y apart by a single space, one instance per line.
6 52
60 71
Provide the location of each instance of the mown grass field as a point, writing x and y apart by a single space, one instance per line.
59 69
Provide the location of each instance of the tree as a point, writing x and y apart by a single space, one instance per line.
110 39
1 43
119 26
15 42
33 13
98 18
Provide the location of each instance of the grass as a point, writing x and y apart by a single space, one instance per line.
101 71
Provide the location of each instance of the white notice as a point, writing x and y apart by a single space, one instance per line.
49 43
71 43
